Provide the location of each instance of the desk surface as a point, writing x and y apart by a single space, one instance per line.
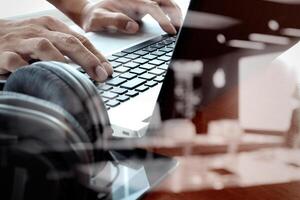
255 181
287 191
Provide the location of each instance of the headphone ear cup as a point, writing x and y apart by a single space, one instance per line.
77 136
42 152
62 85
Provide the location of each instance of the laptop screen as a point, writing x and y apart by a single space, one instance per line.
221 65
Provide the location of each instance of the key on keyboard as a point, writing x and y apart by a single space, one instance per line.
116 81
118 91
138 71
147 76
128 75
121 69
109 95
133 83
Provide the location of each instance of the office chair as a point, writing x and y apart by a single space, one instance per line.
51 120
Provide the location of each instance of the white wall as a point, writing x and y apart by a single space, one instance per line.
10 8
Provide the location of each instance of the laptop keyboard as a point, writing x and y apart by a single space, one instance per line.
136 69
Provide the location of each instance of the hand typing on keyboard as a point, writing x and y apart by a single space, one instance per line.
123 15
46 38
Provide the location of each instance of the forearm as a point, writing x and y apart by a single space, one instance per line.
71 8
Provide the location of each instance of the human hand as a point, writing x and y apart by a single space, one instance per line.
48 39
124 14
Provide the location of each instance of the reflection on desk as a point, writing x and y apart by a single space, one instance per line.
203 177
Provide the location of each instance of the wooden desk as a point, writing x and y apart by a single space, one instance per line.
178 185
288 191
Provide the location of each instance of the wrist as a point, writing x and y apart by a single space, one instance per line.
84 13
3 25
78 15
3 22
72 8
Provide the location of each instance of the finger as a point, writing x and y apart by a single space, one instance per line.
10 61
70 46
40 49
172 10
58 26
156 12
104 62
119 21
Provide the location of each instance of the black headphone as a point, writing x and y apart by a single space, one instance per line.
51 118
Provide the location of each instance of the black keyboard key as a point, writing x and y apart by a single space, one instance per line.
128 75
132 56
159 79
115 64
121 69
116 81
156 62
166 49
132 49
141 52
138 71
147 66
171 45
151 83
142 88
112 58
109 95
164 58
150 49
158 53
133 83
149 57
105 99
169 54
115 74
113 103
157 72
169 40
147 76
163 67
105 87
158 46
143 45
140 61
161 43
118 91
131 65
120 54
122 60
166 42
132 93
123 98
